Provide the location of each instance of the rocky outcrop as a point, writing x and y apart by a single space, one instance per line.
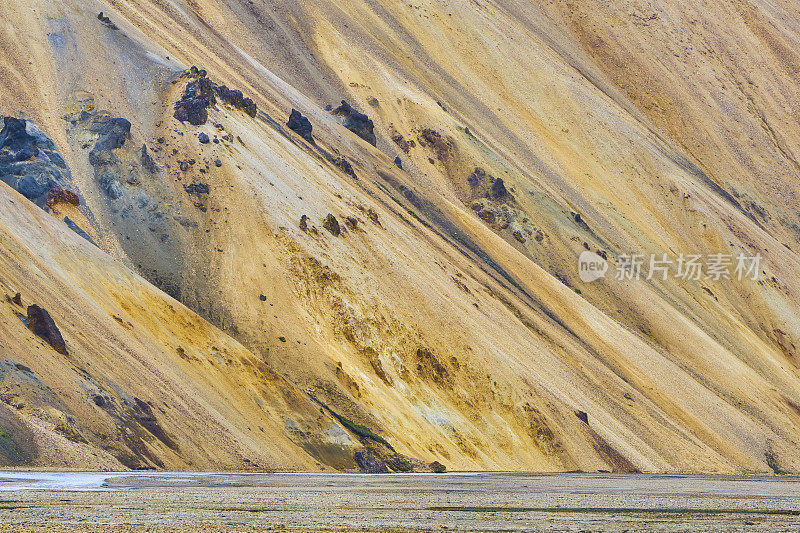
201 93
300 125
331 224
112 132
40 322
438 467
30 161
357 122
59 195
198 95
147 161
235 98
369 463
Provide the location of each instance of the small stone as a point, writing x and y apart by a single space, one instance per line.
262 298
203 138
218 163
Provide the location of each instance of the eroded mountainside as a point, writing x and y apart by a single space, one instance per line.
273 233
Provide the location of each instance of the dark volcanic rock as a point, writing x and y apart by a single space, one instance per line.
304 223
147 161
40 322
582 416
16 143
499 189
398 162
112 134
199 94
114 131
203 138
235 98
107 21
31 188
110 185
331 224
368 463
438 467
30 161
197 188
477 176
300 125
357 122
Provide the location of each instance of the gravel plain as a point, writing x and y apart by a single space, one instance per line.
182 502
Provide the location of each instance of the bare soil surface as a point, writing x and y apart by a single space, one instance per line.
136 502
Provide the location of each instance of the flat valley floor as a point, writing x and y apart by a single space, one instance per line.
136 502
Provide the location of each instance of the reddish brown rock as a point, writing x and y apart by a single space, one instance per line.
59 195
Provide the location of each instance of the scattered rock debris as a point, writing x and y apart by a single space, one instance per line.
201 93
402 143
197 188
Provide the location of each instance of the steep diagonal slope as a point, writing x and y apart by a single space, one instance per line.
448 314
145 382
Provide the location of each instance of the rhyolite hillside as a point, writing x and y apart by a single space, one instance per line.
344 235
